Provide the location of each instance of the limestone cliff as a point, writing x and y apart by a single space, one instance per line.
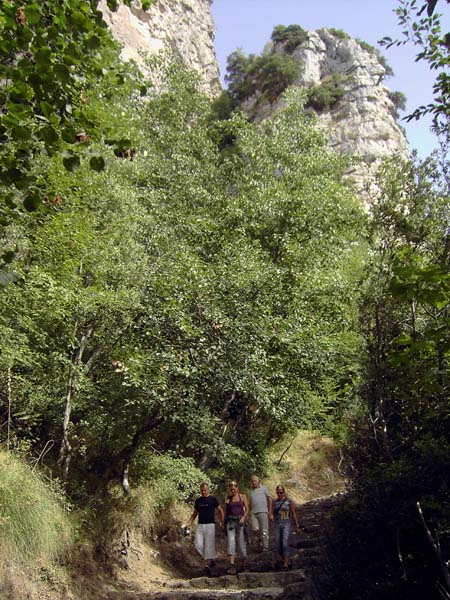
362 121
187 25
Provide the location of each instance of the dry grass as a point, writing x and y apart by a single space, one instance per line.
308 469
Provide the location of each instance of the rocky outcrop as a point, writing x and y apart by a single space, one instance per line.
186 25
362 122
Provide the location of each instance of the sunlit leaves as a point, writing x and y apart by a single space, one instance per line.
50 52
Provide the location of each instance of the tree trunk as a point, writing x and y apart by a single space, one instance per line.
65 451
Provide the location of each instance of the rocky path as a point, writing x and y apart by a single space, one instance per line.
261 580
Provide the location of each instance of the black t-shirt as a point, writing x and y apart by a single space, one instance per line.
205 506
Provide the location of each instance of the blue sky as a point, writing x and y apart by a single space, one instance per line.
247 24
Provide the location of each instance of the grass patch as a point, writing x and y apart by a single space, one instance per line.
34 522
308 469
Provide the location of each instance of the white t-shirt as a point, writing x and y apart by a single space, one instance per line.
258 499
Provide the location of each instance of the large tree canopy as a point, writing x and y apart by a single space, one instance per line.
187 296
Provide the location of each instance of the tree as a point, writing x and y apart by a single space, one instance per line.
51 54
425 32
267 75
171 301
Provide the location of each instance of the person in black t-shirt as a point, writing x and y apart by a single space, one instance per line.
205 535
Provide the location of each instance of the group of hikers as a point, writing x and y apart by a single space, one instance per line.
258 509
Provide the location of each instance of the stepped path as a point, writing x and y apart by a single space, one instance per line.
261 580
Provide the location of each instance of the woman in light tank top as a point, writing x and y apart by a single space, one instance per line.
284 516
236 511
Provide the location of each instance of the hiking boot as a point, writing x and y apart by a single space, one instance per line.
208 571
231 570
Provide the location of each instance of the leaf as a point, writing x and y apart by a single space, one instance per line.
62 72
69 135
49 135
21 133
71 161
93 43
403 340
46 108
97 163
43 57
32 13
8 256
32 202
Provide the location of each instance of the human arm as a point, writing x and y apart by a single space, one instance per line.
221 514
246 509
269 505
192 518
294 515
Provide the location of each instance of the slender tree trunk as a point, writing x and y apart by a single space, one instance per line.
65 451
8 437
434 543
125 483
119 464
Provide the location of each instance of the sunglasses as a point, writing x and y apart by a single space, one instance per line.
280 492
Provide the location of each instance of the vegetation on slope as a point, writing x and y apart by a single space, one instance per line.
188 297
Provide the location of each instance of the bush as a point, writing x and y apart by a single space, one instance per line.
276 73
290 36
269 74
33 518
326 94
339 33
173 479
399 101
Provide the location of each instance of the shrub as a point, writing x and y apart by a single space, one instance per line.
269 73
33 519
290 36
399 101
339 33
276 72
326 94
174 479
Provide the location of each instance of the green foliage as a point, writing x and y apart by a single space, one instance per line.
399 101
267 75
223 106
290 36
425 32
326 94
173 479
174 298
400 441
51 54
339 33
33 518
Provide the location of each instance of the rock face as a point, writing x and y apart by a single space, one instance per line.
362 121
186 25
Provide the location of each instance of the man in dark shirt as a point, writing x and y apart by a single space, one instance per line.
205 534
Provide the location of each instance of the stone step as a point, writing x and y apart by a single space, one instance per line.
247 580
254 594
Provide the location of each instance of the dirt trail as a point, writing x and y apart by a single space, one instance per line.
261 580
